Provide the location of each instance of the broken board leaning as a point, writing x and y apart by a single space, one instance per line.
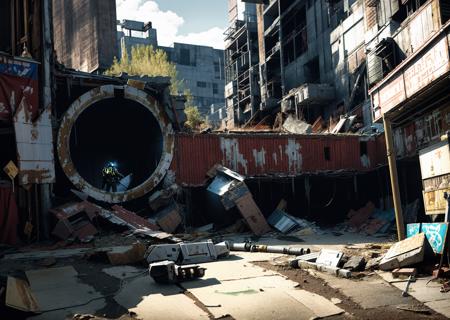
406 252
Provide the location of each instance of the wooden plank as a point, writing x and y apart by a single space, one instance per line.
252 214
19 296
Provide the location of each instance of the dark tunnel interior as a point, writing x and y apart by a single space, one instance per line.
116 130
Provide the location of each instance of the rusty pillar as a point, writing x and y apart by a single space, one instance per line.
394 178
47 52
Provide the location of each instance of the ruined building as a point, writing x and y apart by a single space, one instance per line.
408 73
311 59
241 63
85 34
200 67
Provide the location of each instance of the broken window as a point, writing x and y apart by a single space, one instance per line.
384 58
294 29
185 57
312 71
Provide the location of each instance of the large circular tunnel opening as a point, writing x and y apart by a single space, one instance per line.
117 130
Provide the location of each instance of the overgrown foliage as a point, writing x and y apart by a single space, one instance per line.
147 61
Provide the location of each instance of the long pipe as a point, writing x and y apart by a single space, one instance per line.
249 247
394 178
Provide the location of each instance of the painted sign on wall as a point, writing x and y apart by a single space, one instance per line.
436 234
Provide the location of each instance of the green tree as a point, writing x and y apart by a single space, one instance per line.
146 61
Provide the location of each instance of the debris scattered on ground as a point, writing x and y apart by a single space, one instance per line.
406 252
169 272
414 308
74 221
169 218
355 263
329 257
404 272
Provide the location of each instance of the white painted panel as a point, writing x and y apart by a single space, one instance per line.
435 160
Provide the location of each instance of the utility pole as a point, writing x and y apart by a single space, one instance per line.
394 178
47 51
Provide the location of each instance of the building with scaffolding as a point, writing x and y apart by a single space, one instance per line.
241 64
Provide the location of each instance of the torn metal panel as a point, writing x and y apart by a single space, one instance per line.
131 219
284 154
220 185
18 81
88 100
281 221
34 146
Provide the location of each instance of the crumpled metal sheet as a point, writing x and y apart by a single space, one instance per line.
282 222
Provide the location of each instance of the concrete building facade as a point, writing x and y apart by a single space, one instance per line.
241 63
132 33
200 67
84 33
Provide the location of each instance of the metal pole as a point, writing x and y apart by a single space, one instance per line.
394 178
47 51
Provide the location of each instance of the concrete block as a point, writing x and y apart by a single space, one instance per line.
406 252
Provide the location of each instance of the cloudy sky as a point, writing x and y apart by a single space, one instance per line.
199 22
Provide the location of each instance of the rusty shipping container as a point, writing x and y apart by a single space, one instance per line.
260 154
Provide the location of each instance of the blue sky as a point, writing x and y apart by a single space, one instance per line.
191 21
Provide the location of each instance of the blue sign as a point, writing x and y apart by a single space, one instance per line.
412 229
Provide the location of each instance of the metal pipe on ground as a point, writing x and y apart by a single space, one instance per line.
249 247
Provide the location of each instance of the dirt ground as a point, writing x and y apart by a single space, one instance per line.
353 311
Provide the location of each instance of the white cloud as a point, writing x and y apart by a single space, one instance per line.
167 23
212 37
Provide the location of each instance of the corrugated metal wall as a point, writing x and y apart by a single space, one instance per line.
273 154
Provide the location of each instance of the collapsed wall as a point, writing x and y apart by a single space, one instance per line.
118 124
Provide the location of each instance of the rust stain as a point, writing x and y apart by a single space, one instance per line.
85 102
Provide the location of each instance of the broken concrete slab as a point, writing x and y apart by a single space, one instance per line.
406 252
373 263
150 300
324 268
440 306
59 293
319 305
368 294
248 298
355 263
329 257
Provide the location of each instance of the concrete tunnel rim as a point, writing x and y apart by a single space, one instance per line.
87 100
